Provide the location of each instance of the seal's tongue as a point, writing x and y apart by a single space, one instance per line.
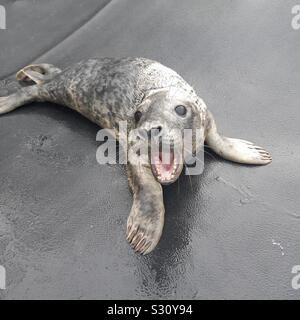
164 165
166 161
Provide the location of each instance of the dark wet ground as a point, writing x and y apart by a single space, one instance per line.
232 232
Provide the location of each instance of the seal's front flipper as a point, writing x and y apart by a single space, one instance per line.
146 220
38 73
235 150
145 224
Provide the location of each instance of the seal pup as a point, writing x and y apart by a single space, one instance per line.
153 99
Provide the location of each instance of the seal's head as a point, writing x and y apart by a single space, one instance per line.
167 120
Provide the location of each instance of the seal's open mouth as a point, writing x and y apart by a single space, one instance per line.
166 166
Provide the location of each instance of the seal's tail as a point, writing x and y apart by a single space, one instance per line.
36 75
18 99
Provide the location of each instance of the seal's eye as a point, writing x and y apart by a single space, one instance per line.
180 110
137 116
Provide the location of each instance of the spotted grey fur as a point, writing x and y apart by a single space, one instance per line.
110 90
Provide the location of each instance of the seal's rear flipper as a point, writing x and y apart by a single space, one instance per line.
21 97
235 150
38 73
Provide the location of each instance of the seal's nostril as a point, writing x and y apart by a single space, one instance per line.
155 131
147 134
